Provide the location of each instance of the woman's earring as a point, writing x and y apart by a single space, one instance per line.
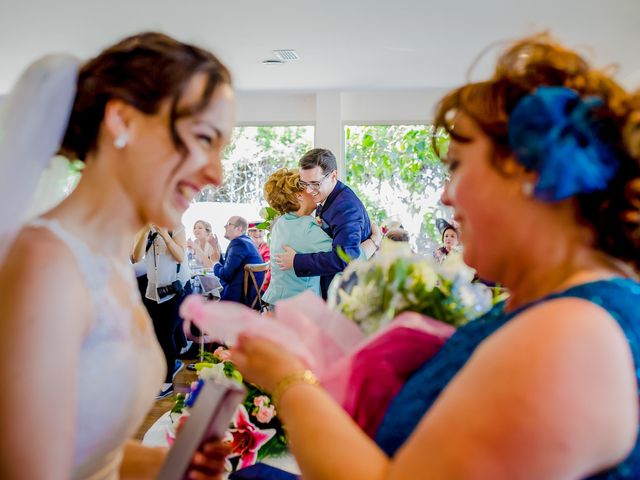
527 189
121 141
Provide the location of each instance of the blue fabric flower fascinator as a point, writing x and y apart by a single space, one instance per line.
554 132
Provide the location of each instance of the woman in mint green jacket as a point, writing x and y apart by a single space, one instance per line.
297 229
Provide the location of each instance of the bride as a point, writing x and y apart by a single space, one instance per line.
149 116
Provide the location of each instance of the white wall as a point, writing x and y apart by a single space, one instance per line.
330 111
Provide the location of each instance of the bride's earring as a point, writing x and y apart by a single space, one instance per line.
121 141
527 189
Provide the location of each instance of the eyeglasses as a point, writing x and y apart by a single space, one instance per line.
314 186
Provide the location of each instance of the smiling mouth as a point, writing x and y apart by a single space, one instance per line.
186 192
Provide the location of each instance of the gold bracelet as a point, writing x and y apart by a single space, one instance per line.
289 381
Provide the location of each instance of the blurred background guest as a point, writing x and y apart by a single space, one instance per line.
450 240
199 245
258 235
229 267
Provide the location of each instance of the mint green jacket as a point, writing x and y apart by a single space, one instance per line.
304 235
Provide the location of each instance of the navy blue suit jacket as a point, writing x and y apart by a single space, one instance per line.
230 269
347 222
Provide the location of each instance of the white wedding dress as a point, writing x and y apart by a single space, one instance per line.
121 364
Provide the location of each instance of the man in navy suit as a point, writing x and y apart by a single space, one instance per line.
343 216
230 267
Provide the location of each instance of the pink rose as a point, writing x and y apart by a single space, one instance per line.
222 354
265 414
261 401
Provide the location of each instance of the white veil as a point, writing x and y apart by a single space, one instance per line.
33 121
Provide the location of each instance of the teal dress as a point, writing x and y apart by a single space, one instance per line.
304 235
620 297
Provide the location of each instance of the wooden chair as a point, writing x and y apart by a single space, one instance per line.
250 269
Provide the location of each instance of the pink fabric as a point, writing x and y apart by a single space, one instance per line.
363 375
367 379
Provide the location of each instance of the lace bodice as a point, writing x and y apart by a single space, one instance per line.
620 297
121 364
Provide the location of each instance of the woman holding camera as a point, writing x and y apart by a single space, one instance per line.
168 277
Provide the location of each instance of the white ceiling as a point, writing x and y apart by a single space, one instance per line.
344 45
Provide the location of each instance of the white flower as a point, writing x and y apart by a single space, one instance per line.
424 272
475 297
454 269
263 212
213 373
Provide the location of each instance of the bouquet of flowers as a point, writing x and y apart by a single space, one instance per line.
389 316
255 431
372 293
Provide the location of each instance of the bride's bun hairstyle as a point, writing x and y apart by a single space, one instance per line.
570 123
144 71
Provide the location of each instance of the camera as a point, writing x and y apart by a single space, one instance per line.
175 288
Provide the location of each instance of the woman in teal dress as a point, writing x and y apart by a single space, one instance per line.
544 165
299 230
296 228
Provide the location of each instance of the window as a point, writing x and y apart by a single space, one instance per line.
253 154
397 174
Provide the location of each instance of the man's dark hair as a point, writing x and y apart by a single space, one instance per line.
319 157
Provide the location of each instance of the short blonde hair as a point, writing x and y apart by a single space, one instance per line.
281 188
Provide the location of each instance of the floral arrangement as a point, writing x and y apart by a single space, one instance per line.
255 431
269 215
396 280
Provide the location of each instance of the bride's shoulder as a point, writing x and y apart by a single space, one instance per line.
41 266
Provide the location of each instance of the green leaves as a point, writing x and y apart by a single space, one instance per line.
399 159
253 154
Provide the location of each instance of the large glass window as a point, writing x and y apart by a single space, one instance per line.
397 174
253 154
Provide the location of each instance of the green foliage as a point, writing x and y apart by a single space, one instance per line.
387 164
269 214
253 154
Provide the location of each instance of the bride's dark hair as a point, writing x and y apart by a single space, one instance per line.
143 70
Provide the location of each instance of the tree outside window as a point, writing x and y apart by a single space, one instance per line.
253 154
397 174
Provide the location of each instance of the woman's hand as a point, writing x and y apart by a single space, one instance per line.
208 461
215 247
263 362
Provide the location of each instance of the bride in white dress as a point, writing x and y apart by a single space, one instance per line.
79 362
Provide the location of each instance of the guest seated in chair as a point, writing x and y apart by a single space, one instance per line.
544 165
258 237
229 268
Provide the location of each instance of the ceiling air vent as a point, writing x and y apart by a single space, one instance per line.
286 55
272 61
